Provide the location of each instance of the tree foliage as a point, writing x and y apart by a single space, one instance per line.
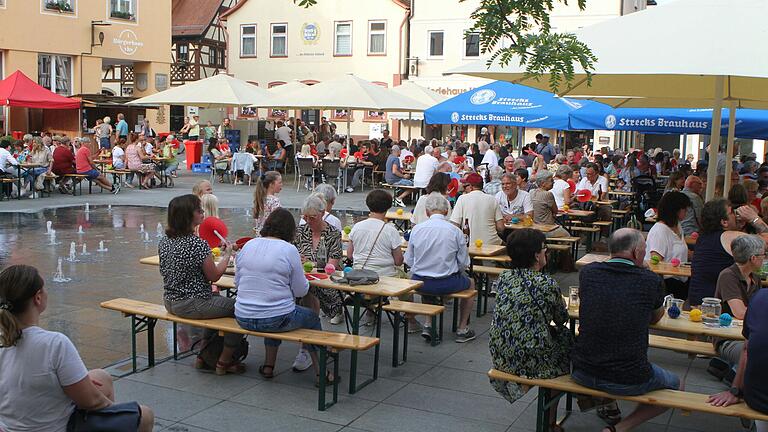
519 30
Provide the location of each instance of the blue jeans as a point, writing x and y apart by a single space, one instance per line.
403 182
34 172
661 379
301 317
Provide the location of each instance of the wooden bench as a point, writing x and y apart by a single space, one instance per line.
482 275
145 315
676 399
4 181
399 311
573 243
77 179
590 233
466 294
118 175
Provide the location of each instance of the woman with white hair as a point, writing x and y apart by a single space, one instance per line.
544 205
494 186
489 156
329 194
320 243
561 190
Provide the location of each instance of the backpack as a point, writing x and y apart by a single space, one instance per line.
211 348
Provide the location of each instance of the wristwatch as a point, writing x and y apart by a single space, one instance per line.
736 392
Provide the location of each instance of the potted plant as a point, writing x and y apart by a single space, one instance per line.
60 6
122 15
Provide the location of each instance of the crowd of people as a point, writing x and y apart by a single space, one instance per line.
472 193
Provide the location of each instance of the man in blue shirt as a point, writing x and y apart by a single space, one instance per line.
437 255
394 175
121 127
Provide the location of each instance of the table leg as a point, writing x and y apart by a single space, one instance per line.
357 306
18 181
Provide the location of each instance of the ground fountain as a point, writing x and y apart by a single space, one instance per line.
101 247
146 238
59 275
48 227
159 229
85 250
141 228
72 252
53 238
80 230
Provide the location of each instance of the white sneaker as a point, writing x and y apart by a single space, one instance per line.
399 203
338 319
302 362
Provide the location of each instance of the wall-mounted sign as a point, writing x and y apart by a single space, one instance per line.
310 33
161 82
128 42
142 82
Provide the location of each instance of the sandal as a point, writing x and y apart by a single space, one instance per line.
610 414
223 368
328 380
263 372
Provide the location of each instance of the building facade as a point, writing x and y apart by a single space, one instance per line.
273 43
68 46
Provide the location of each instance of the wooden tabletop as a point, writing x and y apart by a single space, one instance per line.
621 193
386 287
392 215
576 213
538 227
224 282
486 250
684 325
662 268
606 202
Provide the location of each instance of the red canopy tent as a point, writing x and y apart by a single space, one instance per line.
20 91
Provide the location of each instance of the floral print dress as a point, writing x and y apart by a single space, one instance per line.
271 203
520 339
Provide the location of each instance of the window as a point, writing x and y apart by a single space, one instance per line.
55 73
377 37
2 3
183 53
248 41
279 40
213 56
472 45
66 6
376 116
436 43
342 45
122 9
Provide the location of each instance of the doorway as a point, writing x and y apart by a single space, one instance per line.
311 118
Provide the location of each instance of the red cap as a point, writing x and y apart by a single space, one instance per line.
473 179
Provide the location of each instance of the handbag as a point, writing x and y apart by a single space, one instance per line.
212 347
362 276
122 417
556 329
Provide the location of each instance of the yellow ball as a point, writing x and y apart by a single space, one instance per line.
216 251
695 315
478 243
399 211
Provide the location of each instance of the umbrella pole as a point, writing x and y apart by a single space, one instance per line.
349 128
714 138
409 128
7 117
729 149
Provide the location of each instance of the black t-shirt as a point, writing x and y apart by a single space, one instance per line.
387 143
617 301
756 332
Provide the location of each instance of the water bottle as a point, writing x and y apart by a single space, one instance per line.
322 257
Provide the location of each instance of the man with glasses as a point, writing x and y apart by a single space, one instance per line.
514 203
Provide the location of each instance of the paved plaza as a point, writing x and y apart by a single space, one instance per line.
442 388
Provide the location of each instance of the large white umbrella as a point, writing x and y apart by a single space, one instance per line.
420 93
214 92
348 93
688 53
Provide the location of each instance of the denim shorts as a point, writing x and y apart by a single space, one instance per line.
447 285
92 174
661 379
403 182
104 143
301 317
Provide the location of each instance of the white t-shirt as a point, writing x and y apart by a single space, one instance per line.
118 157
557 190
148 148
483 211
419 214
521 204
283 133
426 166
490 158
600 184
381 260
32 376
662 240
329 219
